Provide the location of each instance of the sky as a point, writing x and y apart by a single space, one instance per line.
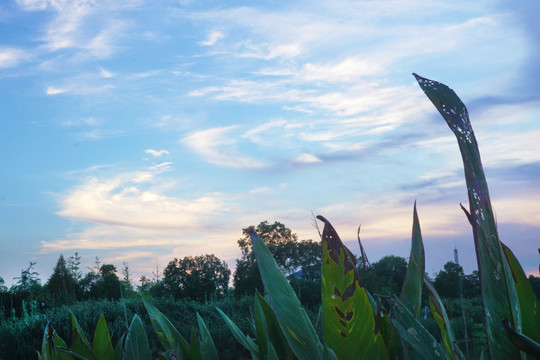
140 131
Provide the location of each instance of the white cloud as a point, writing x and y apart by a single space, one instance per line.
212 38
307 159
131 200
157 153
253 134
52 90
10 57
345 71
218 147
69 27
105 73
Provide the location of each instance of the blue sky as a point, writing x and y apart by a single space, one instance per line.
140 131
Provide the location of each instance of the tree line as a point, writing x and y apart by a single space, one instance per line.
206 277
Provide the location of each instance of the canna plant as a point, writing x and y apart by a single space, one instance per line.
133 345
355 324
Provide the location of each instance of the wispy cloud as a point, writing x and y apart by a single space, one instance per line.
307 159
157 153
218 146
10 57
212 38
69 27
129 200
53 90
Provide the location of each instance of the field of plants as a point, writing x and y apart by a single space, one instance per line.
365 311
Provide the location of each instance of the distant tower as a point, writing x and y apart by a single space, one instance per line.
456 259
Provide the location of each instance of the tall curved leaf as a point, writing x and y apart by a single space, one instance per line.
498 290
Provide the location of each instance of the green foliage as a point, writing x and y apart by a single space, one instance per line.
62 287
293 320
290 254
198 278
384 277
354 323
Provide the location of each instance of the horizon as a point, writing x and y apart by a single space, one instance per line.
141 132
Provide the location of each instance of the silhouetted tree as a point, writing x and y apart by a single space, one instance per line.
197 278
447 281
73 264
384 277
290 254
61 286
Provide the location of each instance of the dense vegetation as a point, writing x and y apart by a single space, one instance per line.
197 285
387 309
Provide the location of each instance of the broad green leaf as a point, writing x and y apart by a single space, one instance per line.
443 322
498 290
244 340
411 293
528 302
292 318
101 345
416 335
169 337
208 349
275 334
80 344
261 328
522 341
348 322
137 347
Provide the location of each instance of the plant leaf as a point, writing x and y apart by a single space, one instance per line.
80 344
275 334
415 334
169 337
528 302
208 349
102 345
261 328
292 318
348 322
137 347
498 290
522 341
443 322
244 340
411 293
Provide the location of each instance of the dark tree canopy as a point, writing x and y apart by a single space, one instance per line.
290 254
386 276
61 286
447 281
197 278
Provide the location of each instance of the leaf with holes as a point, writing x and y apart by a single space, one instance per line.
498 289
348 321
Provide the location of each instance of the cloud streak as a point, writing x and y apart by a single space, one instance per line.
217 146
